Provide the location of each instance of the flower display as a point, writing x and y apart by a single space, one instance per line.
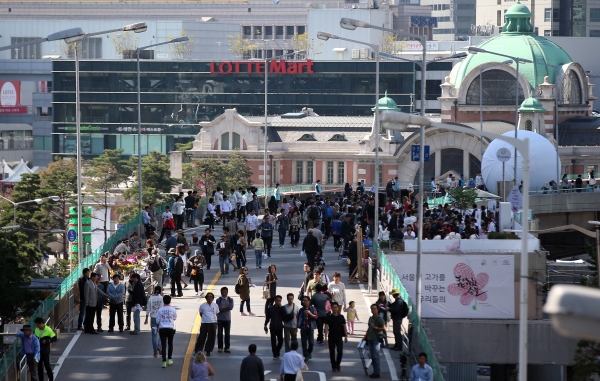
468 285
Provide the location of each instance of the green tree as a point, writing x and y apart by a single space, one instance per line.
114 158
462 198
29 215
205 175
59 179
181 50
103 178
125 43
237 171
18 254
390 44
587 355
241 47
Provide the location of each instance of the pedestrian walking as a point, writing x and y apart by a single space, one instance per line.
252 368
250 225
283 224
266 232
224 251
421 371
138 301
155 303
337 290
91 300
274 319
80 296
30 348
271 284
398 311
240 249
100 290
312 248
335 332
225 304
295 229
351 317
165 320
375 330
208 242
197 263
320 301
179 212
226 209
244 288
307 317
259 248
46 336
103 270
156 263
200 369
292 364
290 322
175 270
208 326
210 213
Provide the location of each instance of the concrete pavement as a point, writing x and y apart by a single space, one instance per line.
120 355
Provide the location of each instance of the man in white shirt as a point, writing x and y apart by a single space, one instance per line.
165 320
155 302
409 219
291 364
226 208
103 269
479 181
208 328
250 226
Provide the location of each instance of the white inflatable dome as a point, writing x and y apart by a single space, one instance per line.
543 163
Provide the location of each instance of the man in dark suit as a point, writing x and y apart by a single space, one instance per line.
252 368
312 248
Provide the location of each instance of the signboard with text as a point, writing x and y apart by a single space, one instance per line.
460 286
10 98
415 45
258 67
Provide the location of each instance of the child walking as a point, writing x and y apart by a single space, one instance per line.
350 317
259 247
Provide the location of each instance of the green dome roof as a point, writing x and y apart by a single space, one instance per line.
531 104
517 40
386 104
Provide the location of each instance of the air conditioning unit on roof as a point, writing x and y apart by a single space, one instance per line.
355 54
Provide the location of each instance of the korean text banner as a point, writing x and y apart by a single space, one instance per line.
460 286
10 98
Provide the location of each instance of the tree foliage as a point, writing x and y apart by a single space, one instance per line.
241 47
390 44
587 355
125 43
462 198
29 215
17 256
103 178
181 50
205 175
113 158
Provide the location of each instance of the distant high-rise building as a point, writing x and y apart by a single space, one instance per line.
454 18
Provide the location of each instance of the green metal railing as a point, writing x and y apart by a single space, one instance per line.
61 291
431 360
286 189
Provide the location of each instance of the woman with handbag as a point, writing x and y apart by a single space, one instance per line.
295 229
271 284
240 249
244 291
197 263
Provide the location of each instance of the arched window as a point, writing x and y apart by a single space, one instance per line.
236 141
498 89
571 90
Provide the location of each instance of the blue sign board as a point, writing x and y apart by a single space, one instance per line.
72 235
414 153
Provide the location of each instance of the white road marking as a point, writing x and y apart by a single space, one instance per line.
386 352
65 354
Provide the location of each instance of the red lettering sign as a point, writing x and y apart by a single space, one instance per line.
258 67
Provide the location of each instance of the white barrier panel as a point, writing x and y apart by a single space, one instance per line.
472 245
460 286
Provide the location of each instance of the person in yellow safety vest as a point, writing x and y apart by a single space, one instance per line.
46 336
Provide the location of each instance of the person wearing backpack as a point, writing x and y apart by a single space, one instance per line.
225 304
175 269
313 214
398 310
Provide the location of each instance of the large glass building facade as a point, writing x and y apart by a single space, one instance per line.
177 95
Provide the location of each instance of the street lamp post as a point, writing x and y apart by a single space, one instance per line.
597 227
136 28
139 112
37 200
352 24
377 129
400 121
62 35
481 69
517 60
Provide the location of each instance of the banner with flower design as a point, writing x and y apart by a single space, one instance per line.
460 286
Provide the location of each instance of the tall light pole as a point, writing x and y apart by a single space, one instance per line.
517 60
136 28
377 129
139 112
37 201
481 69
401 121
62 35
352 24
597 227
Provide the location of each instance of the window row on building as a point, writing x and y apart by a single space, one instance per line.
272 32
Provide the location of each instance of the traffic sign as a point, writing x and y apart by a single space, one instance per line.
72 235
414 153
503 155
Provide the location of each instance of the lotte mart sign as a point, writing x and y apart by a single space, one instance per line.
258 67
